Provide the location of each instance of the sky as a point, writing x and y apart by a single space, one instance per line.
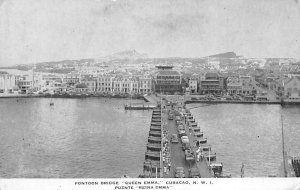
51 30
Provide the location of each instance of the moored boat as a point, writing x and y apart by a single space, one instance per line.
152 139
155 128
155 133
152 155
153 123
153 146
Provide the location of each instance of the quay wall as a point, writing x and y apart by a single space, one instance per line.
241 102
70 96
231 102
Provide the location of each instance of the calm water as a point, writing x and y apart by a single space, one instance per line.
97 138
74 138
250 134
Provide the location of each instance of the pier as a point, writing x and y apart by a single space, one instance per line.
193 165
139 107
151 103
164 157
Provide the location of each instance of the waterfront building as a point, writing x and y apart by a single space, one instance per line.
168 80
105 83
91 83
292 88
71 79
145 84
7 83
25 83
48 78
213 83
243 85
234 87
125 84
134 85
81 87
116 84
248 85
193 85
38 82
122 84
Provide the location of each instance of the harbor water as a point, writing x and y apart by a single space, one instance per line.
249 135
97 138
90 138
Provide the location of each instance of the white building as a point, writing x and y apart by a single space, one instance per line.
145 84
292 88
25 83
91 83
7 83
193 85
105 83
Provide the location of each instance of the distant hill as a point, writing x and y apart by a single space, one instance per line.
225 55
19 67
129 54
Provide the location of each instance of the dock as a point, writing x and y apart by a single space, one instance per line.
151 102
152 99
174 155
139 107
163 157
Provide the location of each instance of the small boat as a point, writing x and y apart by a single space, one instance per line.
154 123
153 147
152 139
155 133
156 120
152 155
154 128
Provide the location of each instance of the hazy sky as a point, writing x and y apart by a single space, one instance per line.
46 30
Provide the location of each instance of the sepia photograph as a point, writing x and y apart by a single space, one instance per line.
133 90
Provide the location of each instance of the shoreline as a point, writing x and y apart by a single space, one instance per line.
72 96
241 102
141 97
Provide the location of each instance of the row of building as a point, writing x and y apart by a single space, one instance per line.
165 80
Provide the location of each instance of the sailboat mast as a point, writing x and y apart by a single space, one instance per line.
283 151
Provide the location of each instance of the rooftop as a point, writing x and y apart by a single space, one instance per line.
168 72
296 77
211 75
164 67
81 85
